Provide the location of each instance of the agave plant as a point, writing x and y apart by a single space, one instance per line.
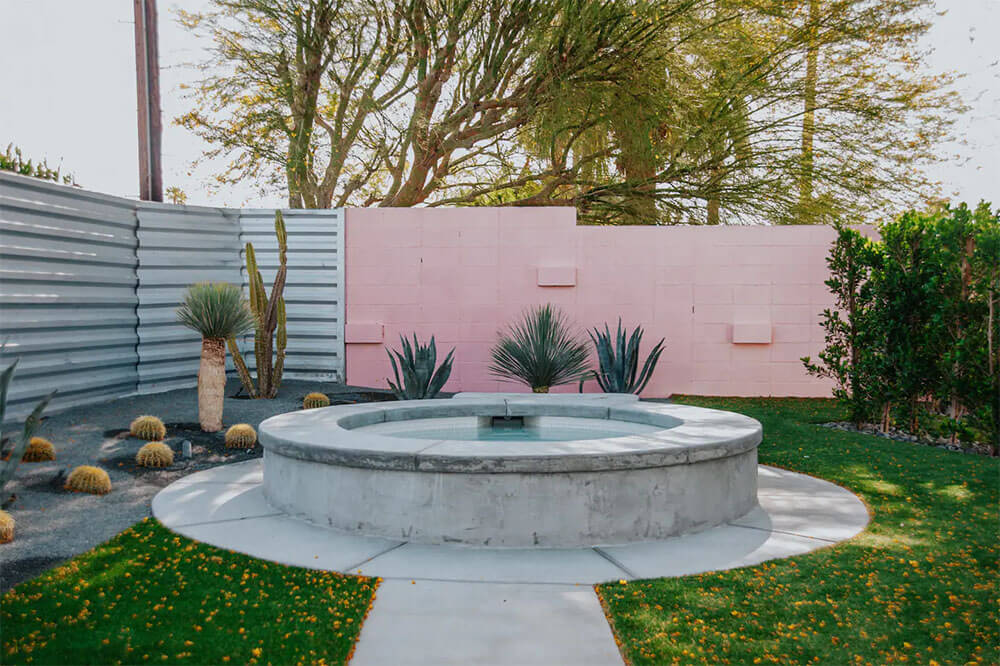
416 378
9 466
541 350
619 360
218 311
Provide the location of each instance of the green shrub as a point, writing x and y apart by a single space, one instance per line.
416 364
540 351
913 339
618 360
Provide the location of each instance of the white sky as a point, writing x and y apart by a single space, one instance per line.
67 93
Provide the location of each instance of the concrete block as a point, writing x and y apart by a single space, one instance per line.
751 332
556 276
364 332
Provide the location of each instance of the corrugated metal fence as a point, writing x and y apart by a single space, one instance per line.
89 284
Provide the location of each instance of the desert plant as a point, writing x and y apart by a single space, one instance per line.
7 524
314 400
88 479
149 428
618 360
241 436
155 454
39 450
540 351
270 334
9 466
217 311
416 363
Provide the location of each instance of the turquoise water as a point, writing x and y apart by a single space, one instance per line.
547 429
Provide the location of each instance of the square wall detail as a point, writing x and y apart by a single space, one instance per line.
557 276
751 332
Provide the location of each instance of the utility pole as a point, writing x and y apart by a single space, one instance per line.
147 74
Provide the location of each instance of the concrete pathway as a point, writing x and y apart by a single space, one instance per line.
457 604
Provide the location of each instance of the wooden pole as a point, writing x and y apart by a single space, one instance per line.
147 72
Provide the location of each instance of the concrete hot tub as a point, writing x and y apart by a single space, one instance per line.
580 470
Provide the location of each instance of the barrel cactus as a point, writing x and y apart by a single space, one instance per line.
148 428
155 454
6 527
39 450
241 436
88 479
314 400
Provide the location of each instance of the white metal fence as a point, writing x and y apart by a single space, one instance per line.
89 284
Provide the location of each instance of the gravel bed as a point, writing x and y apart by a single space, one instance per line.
904 436
54 524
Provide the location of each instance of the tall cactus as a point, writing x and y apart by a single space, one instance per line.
269 348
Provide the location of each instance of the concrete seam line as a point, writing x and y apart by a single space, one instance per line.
765 529
379 554
609 558
222 520
480 581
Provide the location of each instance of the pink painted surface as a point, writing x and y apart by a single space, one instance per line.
462 274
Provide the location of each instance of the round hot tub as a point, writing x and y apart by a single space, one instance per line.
513 469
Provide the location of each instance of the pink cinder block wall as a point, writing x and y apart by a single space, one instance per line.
462 274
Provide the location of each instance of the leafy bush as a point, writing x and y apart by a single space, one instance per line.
618 361
13 160
540 351
416 378
914 339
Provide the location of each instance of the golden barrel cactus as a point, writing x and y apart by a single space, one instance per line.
148 428
241 436
6 527
314 400
39 450
155 454
88 479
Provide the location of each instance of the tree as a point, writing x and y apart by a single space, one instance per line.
654 111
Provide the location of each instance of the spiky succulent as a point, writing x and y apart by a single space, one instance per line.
541 350
241 436
149 428
215 310
155 454
416 378
7 524
9 466
314 400
88 479
39 450
618 360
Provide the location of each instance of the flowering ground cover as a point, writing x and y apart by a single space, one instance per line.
151 596
920 585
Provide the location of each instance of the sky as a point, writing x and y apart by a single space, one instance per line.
67 80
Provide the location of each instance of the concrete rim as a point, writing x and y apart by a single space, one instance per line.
689 434
225 507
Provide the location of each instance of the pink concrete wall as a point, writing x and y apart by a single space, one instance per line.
462 274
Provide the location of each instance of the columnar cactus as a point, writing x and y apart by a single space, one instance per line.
270 333
149 428
314 400
39 450
155 454
88 479
241 436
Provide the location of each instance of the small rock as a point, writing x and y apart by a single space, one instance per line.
186 449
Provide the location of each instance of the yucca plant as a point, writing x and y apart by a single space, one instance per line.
9 466
217 311
541 351
618 360
416 378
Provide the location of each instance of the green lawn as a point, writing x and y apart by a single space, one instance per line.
918 586
149 595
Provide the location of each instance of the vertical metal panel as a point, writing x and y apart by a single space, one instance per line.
67 292
314 290
178 245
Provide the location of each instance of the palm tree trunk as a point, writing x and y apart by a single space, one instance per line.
211 383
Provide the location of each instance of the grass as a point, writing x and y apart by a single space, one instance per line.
151 596
920 585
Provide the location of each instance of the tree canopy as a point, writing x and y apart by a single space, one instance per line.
634 111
